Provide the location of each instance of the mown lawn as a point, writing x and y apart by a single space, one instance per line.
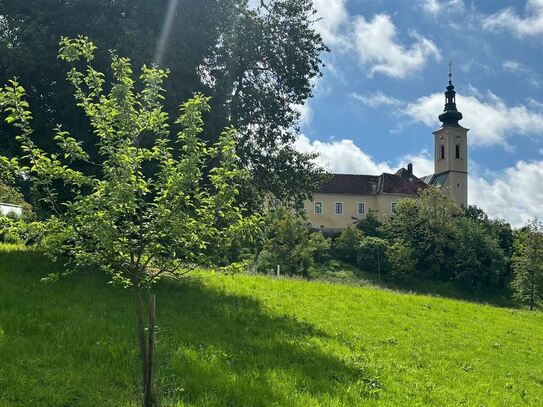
258 341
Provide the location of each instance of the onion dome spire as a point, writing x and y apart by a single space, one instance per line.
450 116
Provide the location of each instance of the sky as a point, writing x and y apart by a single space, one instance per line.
376 105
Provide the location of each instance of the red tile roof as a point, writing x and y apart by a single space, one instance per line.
401 183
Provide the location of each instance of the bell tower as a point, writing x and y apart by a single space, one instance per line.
451 151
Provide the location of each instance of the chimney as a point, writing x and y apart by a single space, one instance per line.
410 170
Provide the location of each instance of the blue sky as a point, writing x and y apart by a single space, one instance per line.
377 103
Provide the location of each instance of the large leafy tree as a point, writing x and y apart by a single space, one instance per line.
448 243
256 64
149 209
528 263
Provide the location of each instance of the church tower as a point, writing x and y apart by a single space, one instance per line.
451 151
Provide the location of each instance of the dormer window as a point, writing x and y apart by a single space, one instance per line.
457 151
442 152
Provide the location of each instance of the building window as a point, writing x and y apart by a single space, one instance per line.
361 208
318 207
457 152
339 208
442 152
393 207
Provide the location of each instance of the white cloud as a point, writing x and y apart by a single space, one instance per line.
491 121
345 157
435 7
423 164
377 47
508 19
514 194
254 3
333 15
431 6
519 69
513 66
306 113
376 99
342 156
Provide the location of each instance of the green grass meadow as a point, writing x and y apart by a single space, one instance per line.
240 340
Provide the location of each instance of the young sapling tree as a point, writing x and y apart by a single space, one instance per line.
152 206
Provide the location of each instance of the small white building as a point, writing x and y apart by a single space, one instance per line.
7 209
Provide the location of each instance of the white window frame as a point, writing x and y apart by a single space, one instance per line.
335 208
392 206
315 208
358 207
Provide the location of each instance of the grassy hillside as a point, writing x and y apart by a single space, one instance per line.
255 341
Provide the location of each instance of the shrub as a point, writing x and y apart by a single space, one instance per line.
479 261
371 254
400 260
347 243
321 247
287 242
370 224
18 231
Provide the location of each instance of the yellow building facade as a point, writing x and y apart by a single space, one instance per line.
348 198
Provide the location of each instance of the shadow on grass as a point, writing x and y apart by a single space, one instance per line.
225 349
73 343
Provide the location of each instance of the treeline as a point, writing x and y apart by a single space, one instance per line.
431 238
428 239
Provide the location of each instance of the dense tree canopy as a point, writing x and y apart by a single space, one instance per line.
445 242
256 64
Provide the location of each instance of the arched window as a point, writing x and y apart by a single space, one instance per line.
442 152
457 151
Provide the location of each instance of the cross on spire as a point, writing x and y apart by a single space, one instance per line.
450 72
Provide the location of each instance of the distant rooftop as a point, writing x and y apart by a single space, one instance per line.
403 182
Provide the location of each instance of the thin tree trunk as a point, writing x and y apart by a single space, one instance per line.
141 337
149 396
532 293
379 263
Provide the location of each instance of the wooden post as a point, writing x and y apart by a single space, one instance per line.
149 396
278 270
141 336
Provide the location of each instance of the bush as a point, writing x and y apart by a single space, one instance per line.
347 244
320 246
17 231
371 255
480 262
287 242
370 225
400 260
